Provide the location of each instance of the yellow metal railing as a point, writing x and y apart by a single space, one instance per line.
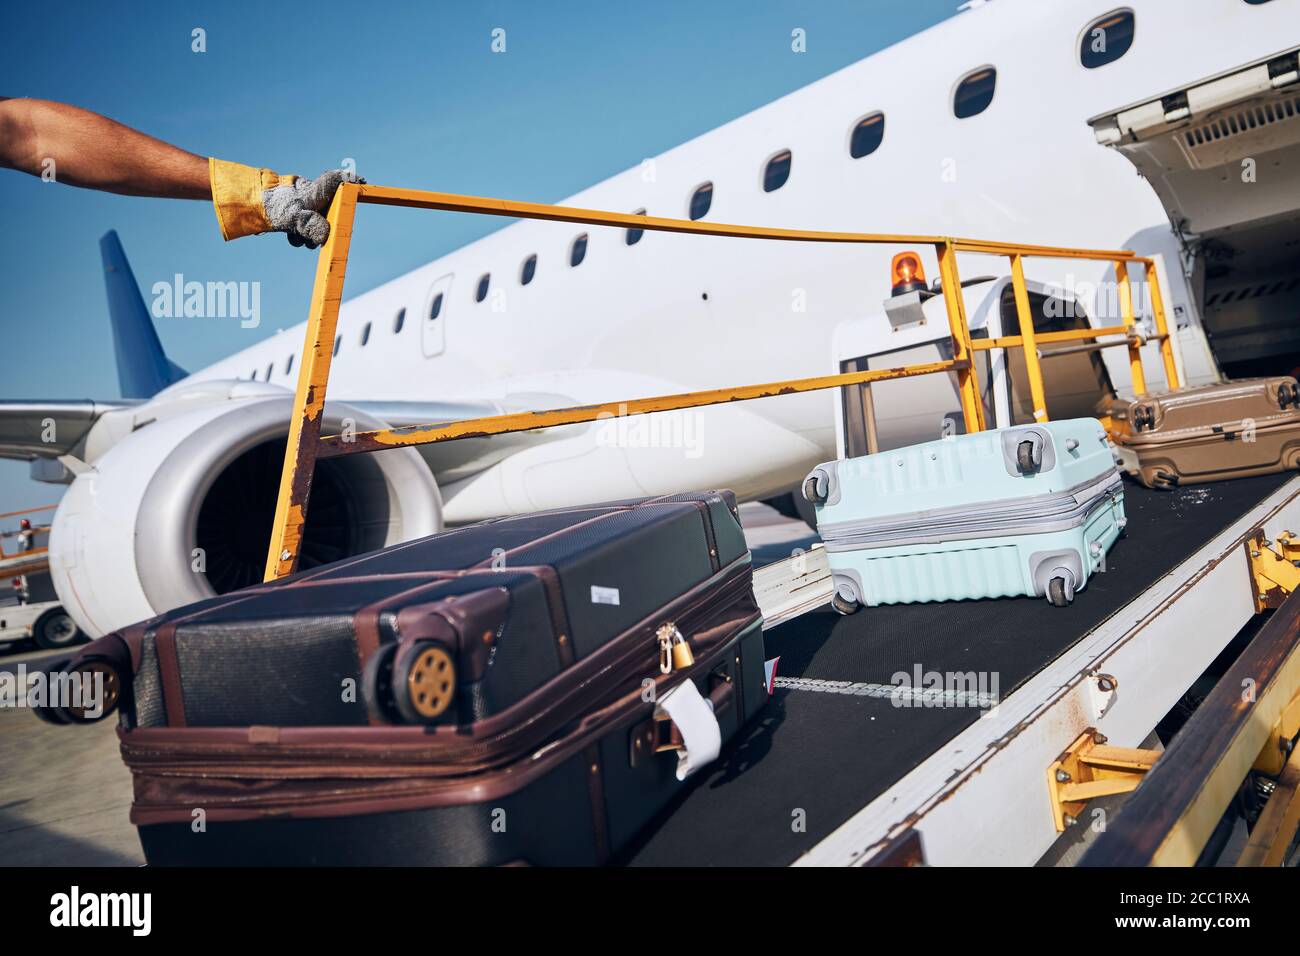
32 550
306 445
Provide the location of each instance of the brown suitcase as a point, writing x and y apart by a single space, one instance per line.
1210 432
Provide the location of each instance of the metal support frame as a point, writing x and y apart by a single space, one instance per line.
1130 326
1027 340
1162 326
33 560
1169 820
1127 331
13 533
309 397
305 444
1273 757
1275 572
1090 768
1276 826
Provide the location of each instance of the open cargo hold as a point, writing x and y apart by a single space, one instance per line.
1223 156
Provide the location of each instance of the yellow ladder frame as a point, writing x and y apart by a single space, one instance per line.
305 444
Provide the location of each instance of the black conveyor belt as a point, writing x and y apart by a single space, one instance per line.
828 755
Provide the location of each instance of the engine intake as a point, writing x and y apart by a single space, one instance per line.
181 509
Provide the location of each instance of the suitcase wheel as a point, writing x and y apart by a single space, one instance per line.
1058 593
112 691
423 681
377 685
1163 480
1288 394
843 605
53 715
80 709
811 492
1029 457
1143 417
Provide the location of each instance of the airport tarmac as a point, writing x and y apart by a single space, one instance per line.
69 793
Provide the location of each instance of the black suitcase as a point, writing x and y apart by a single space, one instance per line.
488 695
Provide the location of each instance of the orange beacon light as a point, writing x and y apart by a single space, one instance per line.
906 274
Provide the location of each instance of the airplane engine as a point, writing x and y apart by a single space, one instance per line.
180 508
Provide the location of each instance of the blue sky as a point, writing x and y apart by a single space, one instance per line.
411 91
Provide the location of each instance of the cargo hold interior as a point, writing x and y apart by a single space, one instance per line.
1223 155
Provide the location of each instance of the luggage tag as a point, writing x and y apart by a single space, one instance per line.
693 716
769 673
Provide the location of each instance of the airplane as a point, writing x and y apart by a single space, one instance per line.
1018 120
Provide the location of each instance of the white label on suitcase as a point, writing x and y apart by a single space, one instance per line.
601 595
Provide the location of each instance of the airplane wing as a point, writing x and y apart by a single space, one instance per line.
48 429
452 461
33 430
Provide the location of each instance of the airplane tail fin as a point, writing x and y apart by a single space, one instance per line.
143 369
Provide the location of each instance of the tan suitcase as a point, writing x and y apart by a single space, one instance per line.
1210 432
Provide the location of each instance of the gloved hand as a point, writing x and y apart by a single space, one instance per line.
251 201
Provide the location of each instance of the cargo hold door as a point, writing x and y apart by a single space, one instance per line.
1223 156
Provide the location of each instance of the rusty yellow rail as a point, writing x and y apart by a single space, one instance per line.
336 445
306 445
15 532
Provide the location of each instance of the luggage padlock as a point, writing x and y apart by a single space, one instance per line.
674 652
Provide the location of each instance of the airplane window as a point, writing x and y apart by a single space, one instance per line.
288 365
634 235
269 369
253 376
701 200
974 93
338 343
365 334
777 171
436 308
578 252
867 135
399 321
481 292
1107 39
529 270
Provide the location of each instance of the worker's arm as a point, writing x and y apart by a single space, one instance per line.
95 152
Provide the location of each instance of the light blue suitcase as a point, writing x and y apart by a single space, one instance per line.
1028 510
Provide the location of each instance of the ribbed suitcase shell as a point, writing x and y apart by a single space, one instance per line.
955 519
1209 432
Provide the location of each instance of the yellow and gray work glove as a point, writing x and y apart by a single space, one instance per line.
252 201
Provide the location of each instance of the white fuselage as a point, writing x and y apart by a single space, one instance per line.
676 313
